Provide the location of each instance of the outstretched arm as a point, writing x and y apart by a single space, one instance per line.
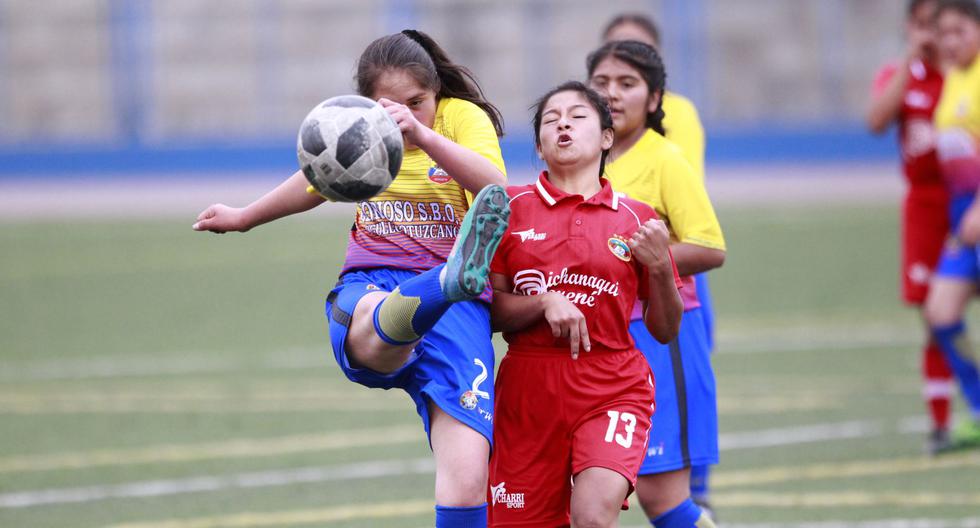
290 197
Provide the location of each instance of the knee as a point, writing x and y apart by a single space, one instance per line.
592 517
461 488
461 483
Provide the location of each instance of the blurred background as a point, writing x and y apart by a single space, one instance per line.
223 84
155 377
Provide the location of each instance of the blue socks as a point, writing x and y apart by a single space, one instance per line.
952 341
412 309
699 482
461 517
684 515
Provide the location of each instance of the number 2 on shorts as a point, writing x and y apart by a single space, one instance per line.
629 419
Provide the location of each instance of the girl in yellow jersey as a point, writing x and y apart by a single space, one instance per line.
957 121
410 310
648 167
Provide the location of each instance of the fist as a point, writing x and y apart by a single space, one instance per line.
412 130
651 243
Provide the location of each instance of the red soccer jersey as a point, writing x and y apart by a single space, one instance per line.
560 242
916 132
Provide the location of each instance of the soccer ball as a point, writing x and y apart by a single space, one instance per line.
349 148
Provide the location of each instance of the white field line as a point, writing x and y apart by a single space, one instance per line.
316 517
260 479
799 435
156 488
237 448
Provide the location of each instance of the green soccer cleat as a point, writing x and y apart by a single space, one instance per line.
468 266
967 434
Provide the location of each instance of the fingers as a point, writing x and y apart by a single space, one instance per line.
584 332
207 213
574 338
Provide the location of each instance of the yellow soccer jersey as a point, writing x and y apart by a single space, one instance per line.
683 127
655 172
959 105
414 222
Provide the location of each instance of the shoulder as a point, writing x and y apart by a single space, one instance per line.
637 210
461 109
520 191
674 102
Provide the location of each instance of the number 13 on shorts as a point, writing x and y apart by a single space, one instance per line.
616 418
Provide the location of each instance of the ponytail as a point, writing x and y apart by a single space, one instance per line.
420 56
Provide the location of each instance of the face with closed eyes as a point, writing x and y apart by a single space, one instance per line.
570 134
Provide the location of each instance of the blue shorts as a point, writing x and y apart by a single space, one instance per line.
958 261
684 429
707 308
452 366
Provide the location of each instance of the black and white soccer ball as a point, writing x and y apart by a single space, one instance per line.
349 148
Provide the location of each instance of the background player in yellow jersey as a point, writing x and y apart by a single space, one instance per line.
682 126
406 311
650 168
957 121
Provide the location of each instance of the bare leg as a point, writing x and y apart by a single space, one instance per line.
597 498
662 492
461 456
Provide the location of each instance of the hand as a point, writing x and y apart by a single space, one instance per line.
566 320
918 41
413 131
651 244
219 218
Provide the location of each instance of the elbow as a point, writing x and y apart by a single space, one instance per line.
668 326
716 259
667 332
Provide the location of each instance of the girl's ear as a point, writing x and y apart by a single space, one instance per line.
608 137
654 101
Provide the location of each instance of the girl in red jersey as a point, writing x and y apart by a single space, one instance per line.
905 92
574 395
410 310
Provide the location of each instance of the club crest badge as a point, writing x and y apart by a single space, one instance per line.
437 175
468 400
620 248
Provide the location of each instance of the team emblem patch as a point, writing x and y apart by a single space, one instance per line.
619 247
437 175
468 400
371 287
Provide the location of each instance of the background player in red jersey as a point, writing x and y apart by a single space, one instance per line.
574 261
906 93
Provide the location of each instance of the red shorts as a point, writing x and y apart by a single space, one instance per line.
925 225
553 418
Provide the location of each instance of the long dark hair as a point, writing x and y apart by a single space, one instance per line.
967 8
644 22
647 62
597 101
427 63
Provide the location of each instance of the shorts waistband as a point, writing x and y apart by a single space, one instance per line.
566 352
